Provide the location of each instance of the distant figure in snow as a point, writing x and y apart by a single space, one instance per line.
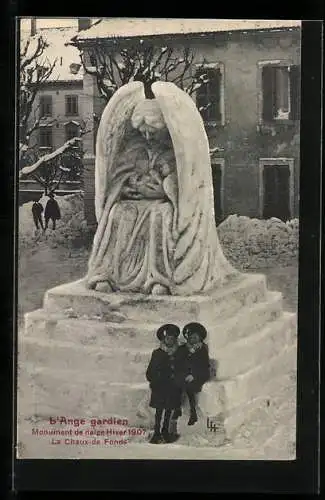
37 209
52 211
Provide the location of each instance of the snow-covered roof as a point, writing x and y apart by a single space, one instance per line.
135 27
65 55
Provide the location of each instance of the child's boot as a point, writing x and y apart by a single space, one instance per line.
173 434
157 437
165 427
193 415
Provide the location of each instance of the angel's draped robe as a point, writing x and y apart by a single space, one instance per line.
134 242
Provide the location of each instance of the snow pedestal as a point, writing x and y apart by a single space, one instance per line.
85 355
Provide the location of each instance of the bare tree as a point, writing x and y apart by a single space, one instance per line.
65 163
141 60
34 71
49 169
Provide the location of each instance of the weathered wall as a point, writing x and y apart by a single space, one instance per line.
241 140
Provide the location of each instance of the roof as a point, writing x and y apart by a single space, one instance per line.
65 55
135 27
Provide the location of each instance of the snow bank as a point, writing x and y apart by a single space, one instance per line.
256 243
247 243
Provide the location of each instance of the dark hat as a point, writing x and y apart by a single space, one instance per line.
168 329
195 328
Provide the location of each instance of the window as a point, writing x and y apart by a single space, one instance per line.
71 105
45 137
276 188
71 131
45 105
280 92
209 94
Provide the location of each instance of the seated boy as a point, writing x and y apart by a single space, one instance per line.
196 364
161 374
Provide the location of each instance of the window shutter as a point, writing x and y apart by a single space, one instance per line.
71 131
201 93
49 105
42 106
67 105
269 92
75 105
46 137
208 95
50 135
71 105
283 191
215 93
216 182
46 105
276 191
294 93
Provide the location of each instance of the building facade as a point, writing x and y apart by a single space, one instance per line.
253 120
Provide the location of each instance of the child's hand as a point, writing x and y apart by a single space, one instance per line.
189 378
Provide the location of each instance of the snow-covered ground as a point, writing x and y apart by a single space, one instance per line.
50 259
269 434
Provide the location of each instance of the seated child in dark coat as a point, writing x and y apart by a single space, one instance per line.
196 364
161 374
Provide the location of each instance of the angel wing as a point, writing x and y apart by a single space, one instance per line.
191 146
109 137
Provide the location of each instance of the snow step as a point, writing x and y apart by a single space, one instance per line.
75 392
42 392
229 397
126 364
89 332
56 326
115 365
75 299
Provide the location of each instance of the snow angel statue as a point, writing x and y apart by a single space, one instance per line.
156 230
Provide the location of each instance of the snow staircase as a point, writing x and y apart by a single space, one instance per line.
84 355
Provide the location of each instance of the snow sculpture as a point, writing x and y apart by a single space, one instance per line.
156 230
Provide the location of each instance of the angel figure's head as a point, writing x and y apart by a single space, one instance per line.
148 119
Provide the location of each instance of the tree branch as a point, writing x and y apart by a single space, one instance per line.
48 157
40 47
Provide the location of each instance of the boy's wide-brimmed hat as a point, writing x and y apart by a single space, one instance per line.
168 329
195 328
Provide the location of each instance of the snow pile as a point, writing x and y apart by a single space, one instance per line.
71 230
256 243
